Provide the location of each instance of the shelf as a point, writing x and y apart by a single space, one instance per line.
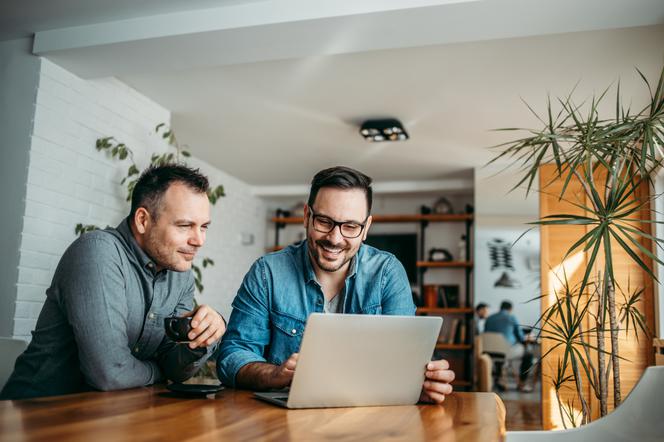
392 218
454 347
444 264
444 311
274 249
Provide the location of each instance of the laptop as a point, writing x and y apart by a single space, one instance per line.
360 360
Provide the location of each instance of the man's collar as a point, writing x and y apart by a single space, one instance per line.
146 262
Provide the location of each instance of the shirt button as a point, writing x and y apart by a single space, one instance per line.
151 316
294 331
135 349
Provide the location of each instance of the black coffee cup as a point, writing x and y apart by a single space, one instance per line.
177 328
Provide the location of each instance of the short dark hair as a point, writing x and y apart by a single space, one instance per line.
506 305
480 306
341 177
155 181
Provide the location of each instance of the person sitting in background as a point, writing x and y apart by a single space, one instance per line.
481 311
102 324
505 322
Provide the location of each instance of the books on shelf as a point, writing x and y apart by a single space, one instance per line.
453 331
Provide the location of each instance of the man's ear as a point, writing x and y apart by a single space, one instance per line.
307 212
142 220
366 228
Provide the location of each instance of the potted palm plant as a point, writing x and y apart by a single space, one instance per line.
607 160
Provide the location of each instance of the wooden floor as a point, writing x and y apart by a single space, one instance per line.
523 411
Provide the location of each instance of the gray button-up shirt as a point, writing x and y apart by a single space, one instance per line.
101 326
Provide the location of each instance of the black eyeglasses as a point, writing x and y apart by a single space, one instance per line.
325 224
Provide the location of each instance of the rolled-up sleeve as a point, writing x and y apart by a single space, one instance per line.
248 331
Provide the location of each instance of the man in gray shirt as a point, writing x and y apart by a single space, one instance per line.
102 325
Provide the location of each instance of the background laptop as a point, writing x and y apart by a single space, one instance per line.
360 360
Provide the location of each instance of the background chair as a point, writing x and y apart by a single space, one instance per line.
639 418
483 367
10 349
497 347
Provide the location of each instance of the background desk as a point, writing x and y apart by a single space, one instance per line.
152 413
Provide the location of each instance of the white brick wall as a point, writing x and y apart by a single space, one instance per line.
70 182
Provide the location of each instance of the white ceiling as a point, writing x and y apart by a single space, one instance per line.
271 91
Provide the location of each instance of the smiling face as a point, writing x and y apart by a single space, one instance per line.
174 237
331 252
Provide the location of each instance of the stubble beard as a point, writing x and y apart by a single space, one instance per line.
322 264
161 256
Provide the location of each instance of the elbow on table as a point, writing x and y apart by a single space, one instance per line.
111 381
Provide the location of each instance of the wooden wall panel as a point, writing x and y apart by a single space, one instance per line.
555 242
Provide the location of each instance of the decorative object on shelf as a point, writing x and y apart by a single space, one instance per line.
443 206
425 210
297 209
500 254
506 281
462 248
430 295
280 213
388 129
440 255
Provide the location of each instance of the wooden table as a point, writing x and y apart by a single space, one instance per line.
152 413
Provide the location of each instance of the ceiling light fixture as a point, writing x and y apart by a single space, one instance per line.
389 129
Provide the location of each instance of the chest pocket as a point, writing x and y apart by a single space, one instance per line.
286 337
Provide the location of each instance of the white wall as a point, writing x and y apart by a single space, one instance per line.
69 182
19 77
503 214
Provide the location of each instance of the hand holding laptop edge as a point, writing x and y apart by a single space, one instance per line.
438 382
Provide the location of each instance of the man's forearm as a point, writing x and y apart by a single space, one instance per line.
261 376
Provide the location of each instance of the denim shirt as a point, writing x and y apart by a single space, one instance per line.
507 324
280 291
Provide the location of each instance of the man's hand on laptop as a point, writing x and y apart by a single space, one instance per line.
207 327
283 374
438 382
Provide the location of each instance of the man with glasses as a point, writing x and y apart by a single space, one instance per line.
333 272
